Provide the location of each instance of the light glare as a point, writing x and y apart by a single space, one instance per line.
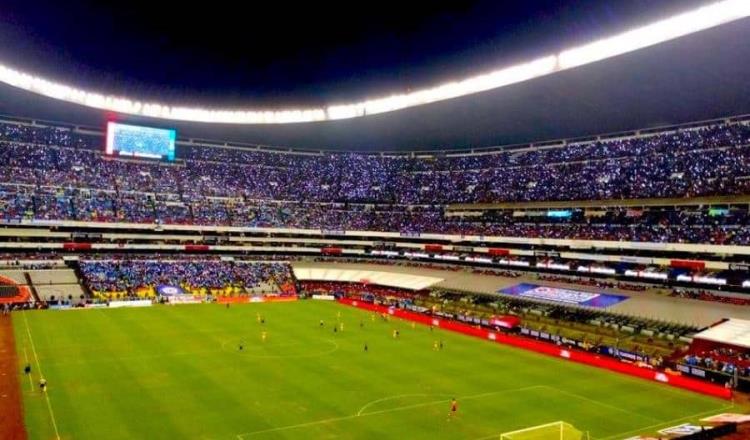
678 26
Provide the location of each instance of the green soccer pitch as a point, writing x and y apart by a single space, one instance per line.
178 372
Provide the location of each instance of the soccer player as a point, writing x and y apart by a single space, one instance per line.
454 408
43 385
27 369
241 346
257 316
441 345
361 324
341 326
263 336
365 347
435 345
321 323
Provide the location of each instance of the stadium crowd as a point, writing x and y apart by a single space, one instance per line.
725 360
57 174
140 277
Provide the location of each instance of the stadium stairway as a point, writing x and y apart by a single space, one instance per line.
84 287
34 293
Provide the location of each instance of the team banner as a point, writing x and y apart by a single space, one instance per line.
566 296
624 354
166 290
96 306
137 303
184 299
683 430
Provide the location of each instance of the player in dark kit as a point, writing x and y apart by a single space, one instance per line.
365 347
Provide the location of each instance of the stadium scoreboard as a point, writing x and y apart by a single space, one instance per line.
138 141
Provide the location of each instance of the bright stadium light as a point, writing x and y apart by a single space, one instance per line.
677 26
655 33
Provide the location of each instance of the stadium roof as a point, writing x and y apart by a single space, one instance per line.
381 278
696 77
732 331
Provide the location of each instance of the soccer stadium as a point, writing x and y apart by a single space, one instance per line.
477 221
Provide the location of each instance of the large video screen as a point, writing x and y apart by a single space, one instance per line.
134 140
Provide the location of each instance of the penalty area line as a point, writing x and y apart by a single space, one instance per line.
639 430
600 403
384 411
399 396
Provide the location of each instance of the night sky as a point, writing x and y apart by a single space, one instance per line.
269 54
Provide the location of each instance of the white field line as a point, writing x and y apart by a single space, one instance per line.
39 368
639 430
362 413
223 349
333 344
399 396
137 357
600 403
26 356
384 411
532 428
667 423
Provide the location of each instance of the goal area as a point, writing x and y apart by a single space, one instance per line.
548 431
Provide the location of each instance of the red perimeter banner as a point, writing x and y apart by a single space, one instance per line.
246 299
582 357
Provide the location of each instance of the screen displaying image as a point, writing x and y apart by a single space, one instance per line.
133 140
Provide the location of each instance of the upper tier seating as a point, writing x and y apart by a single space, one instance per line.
55 174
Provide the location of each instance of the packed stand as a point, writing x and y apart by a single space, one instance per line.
59 174
141 277
725 360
